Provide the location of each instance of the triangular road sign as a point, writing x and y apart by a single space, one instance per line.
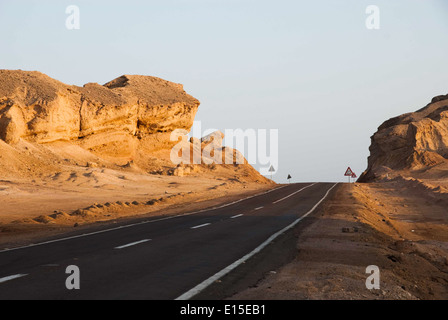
289 177
349 172
271 169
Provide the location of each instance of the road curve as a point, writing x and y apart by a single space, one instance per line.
159 259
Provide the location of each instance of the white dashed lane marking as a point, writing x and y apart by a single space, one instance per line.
200 226
237 216
132 244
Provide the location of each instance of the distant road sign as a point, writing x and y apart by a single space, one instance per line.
289 176
349 172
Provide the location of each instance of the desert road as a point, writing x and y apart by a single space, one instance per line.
161 258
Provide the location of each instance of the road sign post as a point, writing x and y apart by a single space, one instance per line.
289 178
271 170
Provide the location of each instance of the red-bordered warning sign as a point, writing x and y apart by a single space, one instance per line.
349 172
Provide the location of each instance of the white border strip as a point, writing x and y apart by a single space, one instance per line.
138 223
132 244
201 226
200 287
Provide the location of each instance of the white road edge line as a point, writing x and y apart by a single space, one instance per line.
293 193
237 216
203 285
200 226
138 223
132 244
16 276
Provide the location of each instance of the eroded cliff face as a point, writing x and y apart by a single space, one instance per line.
410 143
48 127
40 109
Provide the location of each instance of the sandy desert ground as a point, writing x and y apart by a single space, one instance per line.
67 196
400 226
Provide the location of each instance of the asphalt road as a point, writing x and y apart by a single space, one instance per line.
161 259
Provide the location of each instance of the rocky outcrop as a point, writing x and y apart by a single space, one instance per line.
130 123
40 109
410 142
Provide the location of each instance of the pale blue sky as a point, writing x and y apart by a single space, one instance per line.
308 68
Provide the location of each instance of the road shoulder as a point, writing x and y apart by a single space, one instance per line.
326 255
16 234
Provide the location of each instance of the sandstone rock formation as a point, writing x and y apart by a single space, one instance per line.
127 123
40 109
410 144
